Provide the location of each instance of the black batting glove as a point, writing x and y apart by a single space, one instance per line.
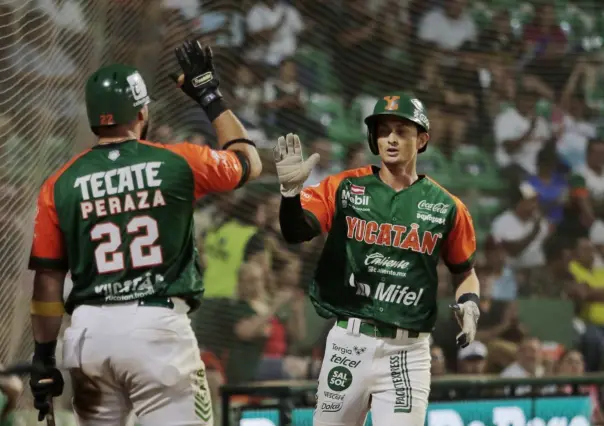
198 78
46 381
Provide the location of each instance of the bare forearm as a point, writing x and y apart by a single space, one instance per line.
468 283
47 305
229 128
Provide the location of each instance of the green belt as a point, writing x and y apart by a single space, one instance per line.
378 330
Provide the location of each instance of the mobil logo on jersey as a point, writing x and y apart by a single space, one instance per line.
355 196
392 235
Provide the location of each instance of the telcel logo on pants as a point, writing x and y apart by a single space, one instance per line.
345 361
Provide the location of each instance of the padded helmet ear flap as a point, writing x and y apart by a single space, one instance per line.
372 140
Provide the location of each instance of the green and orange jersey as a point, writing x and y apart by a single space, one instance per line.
119 217
383 247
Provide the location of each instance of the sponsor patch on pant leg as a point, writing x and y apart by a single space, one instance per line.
203 402
399 374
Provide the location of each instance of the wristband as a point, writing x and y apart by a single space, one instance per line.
46 309
213 105
238 140
45 352
468 297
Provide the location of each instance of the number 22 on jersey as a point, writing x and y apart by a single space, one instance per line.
143 250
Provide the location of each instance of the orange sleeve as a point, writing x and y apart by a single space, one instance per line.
319 201
213 171
48 248
460 245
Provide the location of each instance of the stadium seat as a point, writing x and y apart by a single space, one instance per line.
482 14
476 169
321 63
325 109
433 163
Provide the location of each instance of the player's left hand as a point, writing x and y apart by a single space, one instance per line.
45 383
467 315
198 79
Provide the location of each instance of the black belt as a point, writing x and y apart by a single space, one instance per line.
157 302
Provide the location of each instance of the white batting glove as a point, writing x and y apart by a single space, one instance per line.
467 315
292 170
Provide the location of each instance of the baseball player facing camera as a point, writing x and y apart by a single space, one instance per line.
119 217
387 228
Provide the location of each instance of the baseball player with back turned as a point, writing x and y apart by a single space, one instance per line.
119 216
387 227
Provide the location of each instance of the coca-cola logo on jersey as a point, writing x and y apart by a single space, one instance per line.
433 207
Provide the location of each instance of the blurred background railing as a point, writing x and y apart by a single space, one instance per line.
514 94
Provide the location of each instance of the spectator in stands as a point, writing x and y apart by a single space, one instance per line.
448 108
287 326
248 96
357 46
550 184
472 359
574 126
520 134
522 230
448 28
496 269
571 364
545 45
237 240
222 24
586 203
500 328
498 37
253 318
273 28
529 363
593 88
438 366
325 167
356 156
285 99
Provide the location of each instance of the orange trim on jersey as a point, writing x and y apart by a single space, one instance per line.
579 192
460 245
48 242
213 171
320 199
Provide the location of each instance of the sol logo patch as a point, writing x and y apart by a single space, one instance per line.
339 379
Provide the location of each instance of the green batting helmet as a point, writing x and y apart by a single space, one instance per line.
115 94
399 104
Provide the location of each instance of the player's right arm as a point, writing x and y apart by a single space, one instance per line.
200 82
303 215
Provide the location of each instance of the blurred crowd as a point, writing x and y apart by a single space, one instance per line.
514 95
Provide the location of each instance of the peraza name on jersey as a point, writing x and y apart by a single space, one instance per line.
389 235
102 191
